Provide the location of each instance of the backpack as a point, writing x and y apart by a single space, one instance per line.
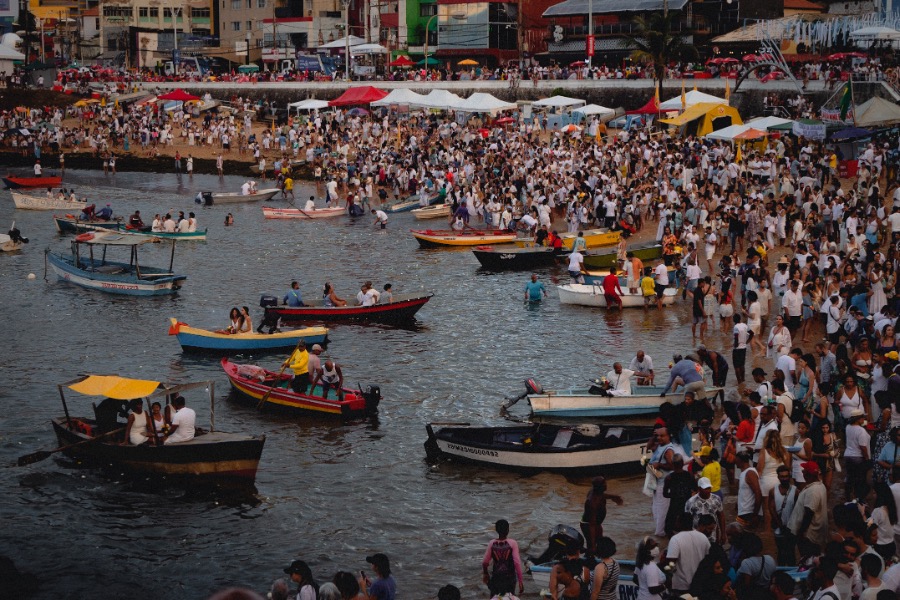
502 554
798 409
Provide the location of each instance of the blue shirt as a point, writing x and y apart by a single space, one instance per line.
384 589
861 302
292 298
534 289
687 370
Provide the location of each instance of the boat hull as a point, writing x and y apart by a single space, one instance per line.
32 182
592 295
432 212
211 456
605 260
283 399
193 339
402 309
29 202
236 197
295 213
438 238
593 238
126 282
540 574
580 402
410 204
552 448
500 258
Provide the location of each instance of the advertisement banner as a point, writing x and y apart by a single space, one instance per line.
810 131
589 43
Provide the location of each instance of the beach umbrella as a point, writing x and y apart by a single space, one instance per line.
431 61
401 61
468 62
178 95
577 63
248 68
357 112
751 134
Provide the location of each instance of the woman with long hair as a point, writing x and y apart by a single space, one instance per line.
804 453
330 298
884 519
772 456
825 448
779 342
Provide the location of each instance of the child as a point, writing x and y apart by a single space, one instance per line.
648 287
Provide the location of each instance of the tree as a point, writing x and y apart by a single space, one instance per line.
654 42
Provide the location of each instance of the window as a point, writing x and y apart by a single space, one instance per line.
260 3
167 13
260 25
249 3
332 14
235 25
154 13
143 11
427 10
200 13
235 4
249 25
117 11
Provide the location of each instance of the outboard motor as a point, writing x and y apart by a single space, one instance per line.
15 235
204 198
373 399
270 320
562 540
531 387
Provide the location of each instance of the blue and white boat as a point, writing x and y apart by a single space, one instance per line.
194 339
588 402
88 266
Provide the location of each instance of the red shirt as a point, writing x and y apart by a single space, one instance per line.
610 285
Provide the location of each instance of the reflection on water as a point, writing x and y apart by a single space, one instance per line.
327 491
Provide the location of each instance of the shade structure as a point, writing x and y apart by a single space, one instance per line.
572 8
357 112
558 102
178 95
438 99
751 134
594 109
769 122
875 33
342 43
309 104
356 96
468 62
481 102
111 386
691 98
651 108
431 61
368 49
727 134
401 61
876 112
248 68
399 96
850 133
711 117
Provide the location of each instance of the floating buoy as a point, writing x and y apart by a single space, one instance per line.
31 276
84 237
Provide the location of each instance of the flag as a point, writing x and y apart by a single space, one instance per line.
683 97
846 101
738 157
727 91
656 95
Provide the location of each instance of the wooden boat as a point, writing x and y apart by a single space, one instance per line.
30 202
604 259
402 309
32 182
252 383
411 203
211 455
514 258
270 212
72 224
95 272
236 197
432 212
591 277
593 238
184 236
436 238
592 295
581 402
543 446
294 164
204 340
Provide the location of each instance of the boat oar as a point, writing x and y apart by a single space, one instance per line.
30 459
262 401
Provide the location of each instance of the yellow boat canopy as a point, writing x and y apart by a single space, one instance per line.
712 117
112 386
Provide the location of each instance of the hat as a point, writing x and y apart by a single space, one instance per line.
704 483
316 347
857 413
783 260
295 567
810 467
892 355
704 451
380 561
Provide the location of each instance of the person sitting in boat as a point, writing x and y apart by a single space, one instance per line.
137 431
234 316
158 425
87 213
169 224
246 321
72 196
541 235
387 296
331 299
554 241
105 213
310 204
108 413
245 188
183 224
182 428
331 377
619 381
135 221
293 298
688 372
367 295
157 225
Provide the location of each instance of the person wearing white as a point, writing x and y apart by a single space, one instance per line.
367 295
686 549
651 580
856 456
619 380
642 365
183 422
787 365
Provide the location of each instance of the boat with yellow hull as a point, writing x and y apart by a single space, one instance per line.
594 238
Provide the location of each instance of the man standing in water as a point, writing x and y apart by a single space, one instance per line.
595 512
534 289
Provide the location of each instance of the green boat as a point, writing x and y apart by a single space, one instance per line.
606 258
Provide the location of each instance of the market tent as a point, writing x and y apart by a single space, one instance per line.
875 33
751 134
876 112
558 102
431 61
178 95
706 117
595 109
439 99
481 102
368 49
402 96
727 134
342 43
401 61
358 95
309 104
769 122
691 98
850 133
651 108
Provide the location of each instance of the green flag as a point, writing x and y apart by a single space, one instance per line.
846 101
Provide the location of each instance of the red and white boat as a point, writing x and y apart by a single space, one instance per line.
270 212
32 182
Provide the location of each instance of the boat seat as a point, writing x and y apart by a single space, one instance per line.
109 269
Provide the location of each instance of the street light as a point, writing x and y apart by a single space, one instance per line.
346 5
427 26
249 37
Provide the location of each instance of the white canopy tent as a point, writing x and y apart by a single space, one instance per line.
483 103
438 99
400 96
764 123
8 55
342 43
558 102
690 99
595 109
368 49
875 33
309 104
727 134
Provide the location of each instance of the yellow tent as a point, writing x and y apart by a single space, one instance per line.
111 386
706 117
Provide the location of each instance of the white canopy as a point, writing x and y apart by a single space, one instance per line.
10 53
876 33
368 49
691 98
440 99
342 43
727 133
483 103
764 123
309 104
400 96
10 39
558 102
594 109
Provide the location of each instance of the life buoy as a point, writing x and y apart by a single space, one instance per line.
84 237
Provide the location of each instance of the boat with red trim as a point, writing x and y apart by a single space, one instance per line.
31 182
400 310
254 383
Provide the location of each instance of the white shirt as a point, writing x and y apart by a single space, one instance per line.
184 419
575 260
786 364
641 367
369 298
689 547
649 576
793 303
662 278
621 382
856 439
742 335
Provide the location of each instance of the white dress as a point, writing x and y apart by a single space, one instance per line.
877 300
769 476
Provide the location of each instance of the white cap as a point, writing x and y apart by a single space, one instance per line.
704 483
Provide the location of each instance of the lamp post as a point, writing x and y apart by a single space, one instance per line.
346 5
427 26
249 37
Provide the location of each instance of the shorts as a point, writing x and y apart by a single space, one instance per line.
699 389
698 319
612 299
739 357
793 322
709 253
631 283
576 275
660 290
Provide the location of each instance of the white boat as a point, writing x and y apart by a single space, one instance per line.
8 245
29 202
235 197
592 295
432 212
581 402
627 588
270 212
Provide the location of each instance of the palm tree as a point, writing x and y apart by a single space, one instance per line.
653 42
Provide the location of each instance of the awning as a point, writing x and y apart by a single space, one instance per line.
309 104
558 102
690 99
594 109
358 95
691 114
113 386
342 43
573 8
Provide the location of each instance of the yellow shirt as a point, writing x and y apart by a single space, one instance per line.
714 472
288 184
648 286
299 361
